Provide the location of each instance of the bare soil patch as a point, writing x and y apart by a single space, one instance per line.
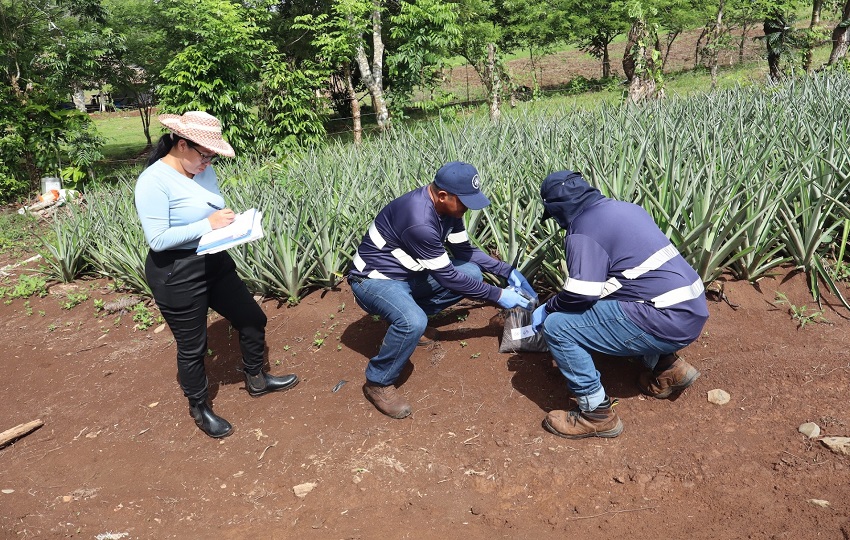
119 453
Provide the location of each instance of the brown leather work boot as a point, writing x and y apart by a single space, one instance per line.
578 424
673 379
387 400
429 338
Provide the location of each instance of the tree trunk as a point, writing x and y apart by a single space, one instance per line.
671 37
741 44
494 83
79 99
808 56
638 60
817 6
840 37
714 43
144 103
355 106
372 75
606 62
698 49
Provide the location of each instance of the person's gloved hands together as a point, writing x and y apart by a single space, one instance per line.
518 280
511 299
538 317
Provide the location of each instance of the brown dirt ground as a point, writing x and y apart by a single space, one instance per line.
119 453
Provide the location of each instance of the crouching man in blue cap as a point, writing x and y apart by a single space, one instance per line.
403 273
629 293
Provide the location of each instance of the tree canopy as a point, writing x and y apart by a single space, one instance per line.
275 71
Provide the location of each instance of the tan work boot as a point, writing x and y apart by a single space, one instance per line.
387 400
578 424
675 378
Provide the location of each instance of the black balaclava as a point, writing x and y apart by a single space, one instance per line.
565 194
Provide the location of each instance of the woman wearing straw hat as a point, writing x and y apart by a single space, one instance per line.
178 201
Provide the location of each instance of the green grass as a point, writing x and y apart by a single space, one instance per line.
124 136
18 234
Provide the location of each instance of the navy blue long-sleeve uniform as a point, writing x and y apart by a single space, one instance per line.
614 250
408 236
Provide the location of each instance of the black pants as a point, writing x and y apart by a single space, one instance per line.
185 285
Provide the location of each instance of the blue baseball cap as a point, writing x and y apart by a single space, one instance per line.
461 179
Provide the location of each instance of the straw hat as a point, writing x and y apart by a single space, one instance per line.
200 128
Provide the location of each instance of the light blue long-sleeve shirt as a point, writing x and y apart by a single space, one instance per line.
173 208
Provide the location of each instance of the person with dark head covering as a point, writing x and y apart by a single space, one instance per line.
403 272
178 201
628 293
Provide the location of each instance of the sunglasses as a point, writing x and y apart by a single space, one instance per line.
205 158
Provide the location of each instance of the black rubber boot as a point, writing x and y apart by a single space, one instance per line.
263 383
209 422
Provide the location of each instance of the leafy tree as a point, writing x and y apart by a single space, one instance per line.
594 25
778 31
676 16
366 15
481 35
335 38
217 67
290 113
147 51
342 32
42 59
425 32
717 38
745 15
536 26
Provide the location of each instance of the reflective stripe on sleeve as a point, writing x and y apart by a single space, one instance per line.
677 296
584 288
654 262
358 261
458 237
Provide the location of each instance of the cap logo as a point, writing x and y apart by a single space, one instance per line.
476 182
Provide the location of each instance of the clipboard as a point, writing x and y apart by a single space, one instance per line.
246 227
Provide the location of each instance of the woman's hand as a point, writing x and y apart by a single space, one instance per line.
221 218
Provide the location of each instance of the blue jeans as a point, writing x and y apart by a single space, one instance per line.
406 306
603 328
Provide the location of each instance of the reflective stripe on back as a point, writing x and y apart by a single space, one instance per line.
677 296
418 265
654 262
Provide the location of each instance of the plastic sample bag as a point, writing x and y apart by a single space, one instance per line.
518 335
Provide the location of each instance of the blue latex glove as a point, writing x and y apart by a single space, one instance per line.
538 317
518 280
511 299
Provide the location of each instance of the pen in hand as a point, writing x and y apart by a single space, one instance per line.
222 218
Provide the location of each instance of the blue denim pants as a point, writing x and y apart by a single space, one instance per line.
406 306
603 328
